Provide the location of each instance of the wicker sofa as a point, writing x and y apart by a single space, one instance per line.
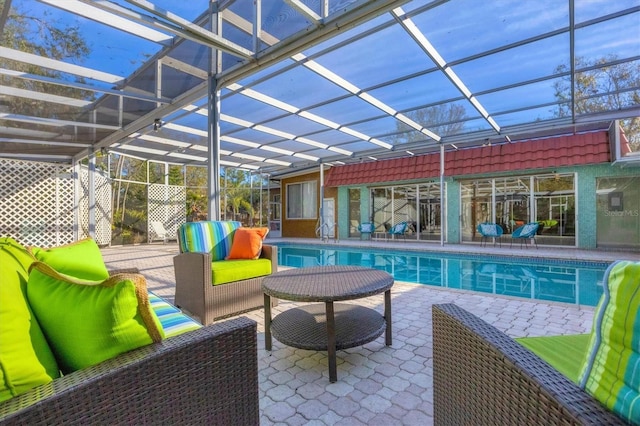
194 273
482 376
128 379
175 381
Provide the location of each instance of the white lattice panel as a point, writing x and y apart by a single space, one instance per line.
167 205
36 202
103 207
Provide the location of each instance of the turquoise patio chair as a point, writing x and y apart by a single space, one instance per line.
366 229
525 233
398 229
490 230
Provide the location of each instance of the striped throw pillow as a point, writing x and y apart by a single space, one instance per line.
611 372
213 237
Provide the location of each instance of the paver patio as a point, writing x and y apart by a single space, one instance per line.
377 385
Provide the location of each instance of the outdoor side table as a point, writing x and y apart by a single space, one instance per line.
325 326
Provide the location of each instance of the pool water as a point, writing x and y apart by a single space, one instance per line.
566 281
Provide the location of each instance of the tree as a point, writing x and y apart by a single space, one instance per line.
602 85
442 119
197 198
129 198
235 192
39 35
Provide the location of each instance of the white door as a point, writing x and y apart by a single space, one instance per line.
328 218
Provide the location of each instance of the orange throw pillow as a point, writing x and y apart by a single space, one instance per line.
247 243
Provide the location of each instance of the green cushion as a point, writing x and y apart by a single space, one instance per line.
565 353
26 360
87 322
173 321
611 372
81 259
227 271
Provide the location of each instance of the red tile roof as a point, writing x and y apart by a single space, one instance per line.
561 151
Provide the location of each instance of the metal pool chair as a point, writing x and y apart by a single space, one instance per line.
525 233
490 230
398 229
366 229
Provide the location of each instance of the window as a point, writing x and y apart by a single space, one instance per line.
418 205
514 201
302 200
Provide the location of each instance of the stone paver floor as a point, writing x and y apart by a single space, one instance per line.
377 385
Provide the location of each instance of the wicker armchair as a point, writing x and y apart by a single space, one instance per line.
207 376
195 294
482 376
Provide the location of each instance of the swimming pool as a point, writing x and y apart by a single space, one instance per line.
566 281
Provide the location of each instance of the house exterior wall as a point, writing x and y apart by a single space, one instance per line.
584 156
585 190
452 224
305 228
342 215
587 204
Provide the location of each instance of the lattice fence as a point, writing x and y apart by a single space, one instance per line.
36 202
103 211
167 205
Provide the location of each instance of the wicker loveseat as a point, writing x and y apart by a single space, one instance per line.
175 381
482 376
210 287
109 325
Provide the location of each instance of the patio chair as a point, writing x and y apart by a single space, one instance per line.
490 230
158 232
398 229
525 233
366 229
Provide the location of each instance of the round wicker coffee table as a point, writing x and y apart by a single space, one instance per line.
326 326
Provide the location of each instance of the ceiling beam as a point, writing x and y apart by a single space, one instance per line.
53 122
81 86
89 11
41 61
305 11
44 97
188 30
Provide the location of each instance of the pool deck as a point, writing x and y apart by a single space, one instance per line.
377 384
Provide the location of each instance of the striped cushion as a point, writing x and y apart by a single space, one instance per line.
173 321
611 372
213 237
